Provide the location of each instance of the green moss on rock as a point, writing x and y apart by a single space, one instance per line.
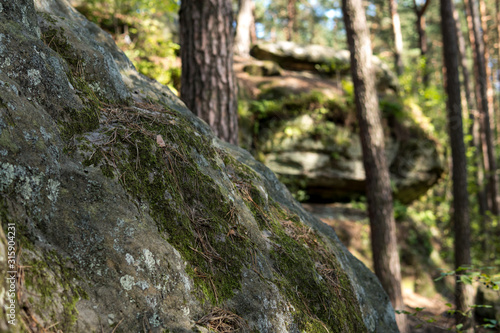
189 207
311 276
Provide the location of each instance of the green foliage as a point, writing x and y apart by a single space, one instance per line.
360 204
144 31
469 275
276 105
466 275
312 24
391 108
133 7
296 187
400 210
334 68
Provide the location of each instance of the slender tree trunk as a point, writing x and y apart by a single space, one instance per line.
422 37
489 79
463 64
478 130
484 29
398 37
208 85
463 295
482 197
378 190
496 75
473 116
483 104
253 30
472 41
291 24
422 41
473 127
273 33
244 24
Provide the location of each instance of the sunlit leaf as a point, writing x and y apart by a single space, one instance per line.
465 279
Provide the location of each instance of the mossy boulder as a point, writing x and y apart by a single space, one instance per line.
263 68
311 141
320 59
130 216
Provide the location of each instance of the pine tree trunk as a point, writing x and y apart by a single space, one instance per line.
478 125
484 106
460 220
378 187
422 37
291 13
473 128
489 86
497 9
244 24
398 37
253 29
208 86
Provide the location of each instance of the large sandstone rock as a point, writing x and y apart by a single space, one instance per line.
312 143
321 59
329 171
133 217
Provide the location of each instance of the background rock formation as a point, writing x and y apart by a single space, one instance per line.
131 216
303 127
321 59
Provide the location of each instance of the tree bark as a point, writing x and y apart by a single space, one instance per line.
484 106
253 29
497 10
398 37
489 85
291 24
473 127
378 187
208 85
478 126
422 37
244 24
463 296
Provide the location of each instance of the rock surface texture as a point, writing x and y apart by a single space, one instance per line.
132 217
322 59
331 169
